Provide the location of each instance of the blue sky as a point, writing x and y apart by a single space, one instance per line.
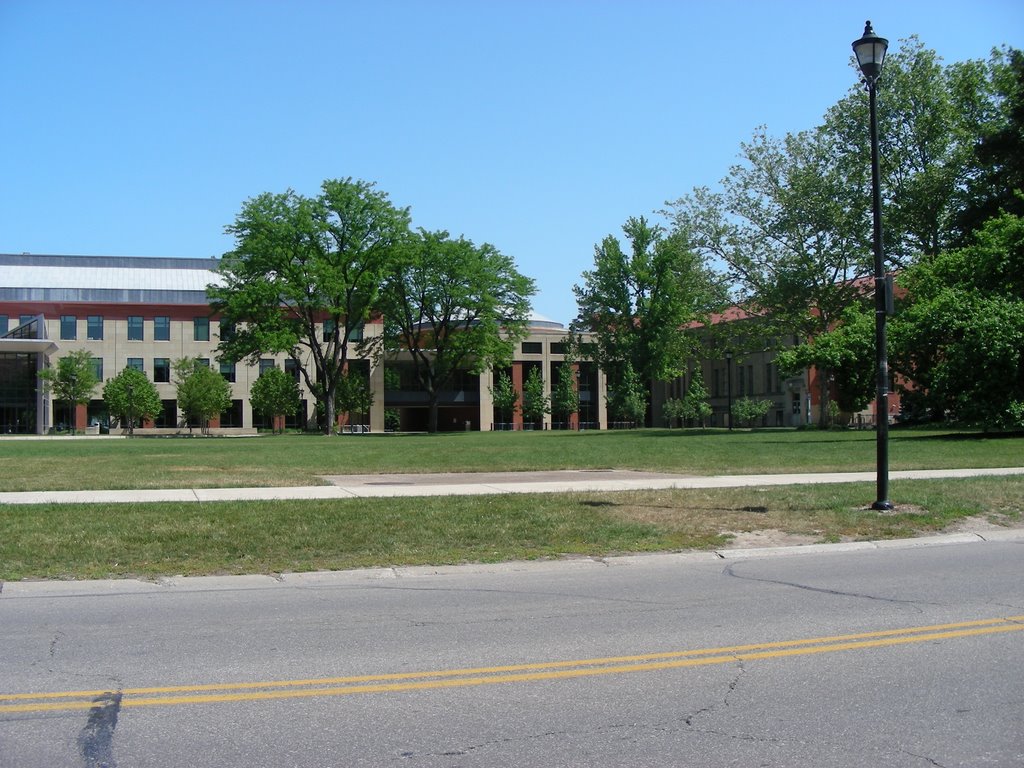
139 128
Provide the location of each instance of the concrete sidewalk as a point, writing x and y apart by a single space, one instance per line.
484 483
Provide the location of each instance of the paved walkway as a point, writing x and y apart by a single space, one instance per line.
481 483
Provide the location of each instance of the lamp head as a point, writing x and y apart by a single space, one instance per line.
870 52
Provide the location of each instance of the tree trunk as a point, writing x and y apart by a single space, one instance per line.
329 410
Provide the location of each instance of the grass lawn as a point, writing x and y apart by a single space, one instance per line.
152 540
284 460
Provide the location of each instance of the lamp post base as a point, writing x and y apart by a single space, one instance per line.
882 506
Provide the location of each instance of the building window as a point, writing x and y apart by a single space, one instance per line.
356 334
716 382
266 364
68 327
330 326
94 328
137 364
227 370
161 369
227 330
291 367
750 380
557 347
204 361
3 325
97 368
135 332
200 329
533 347
162 328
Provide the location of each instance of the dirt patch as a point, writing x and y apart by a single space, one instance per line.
980 524
769 537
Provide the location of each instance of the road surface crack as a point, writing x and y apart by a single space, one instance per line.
730 571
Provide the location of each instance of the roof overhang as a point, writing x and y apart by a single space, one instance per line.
40 346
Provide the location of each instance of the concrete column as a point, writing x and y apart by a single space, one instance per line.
517 385
486 400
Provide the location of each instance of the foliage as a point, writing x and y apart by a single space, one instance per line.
203 394
961 337
73 380
505 397
535 402
392 420
627 400
792 220
275 393
746 410
999 155
354 395
305 275
847 353
451 305
565 395
695 404
131 399
636 304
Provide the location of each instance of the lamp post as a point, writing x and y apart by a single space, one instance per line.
870 51
728 385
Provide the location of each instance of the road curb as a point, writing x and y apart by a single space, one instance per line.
327 579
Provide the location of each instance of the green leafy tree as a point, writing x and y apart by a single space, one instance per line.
450 305
999 155
847 352
746 410
131 399
637 303
72 382
275 394
960 339
305 275
672 410
505 397
790 226
535 402
202 393
354 394
627 400
565 394
696 404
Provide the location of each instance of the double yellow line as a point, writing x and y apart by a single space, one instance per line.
516 673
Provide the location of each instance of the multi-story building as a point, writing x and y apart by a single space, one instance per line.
145 313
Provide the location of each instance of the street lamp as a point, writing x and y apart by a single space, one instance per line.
728 385
870 51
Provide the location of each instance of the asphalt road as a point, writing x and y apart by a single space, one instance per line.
896 657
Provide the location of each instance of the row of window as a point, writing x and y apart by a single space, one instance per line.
162 368
94 328
744 380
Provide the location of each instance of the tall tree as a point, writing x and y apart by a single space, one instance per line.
203 394
73 381
131 399
931 116
535 402
637 303
999 156
452 305
961 337
505 397
791 229
304 276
